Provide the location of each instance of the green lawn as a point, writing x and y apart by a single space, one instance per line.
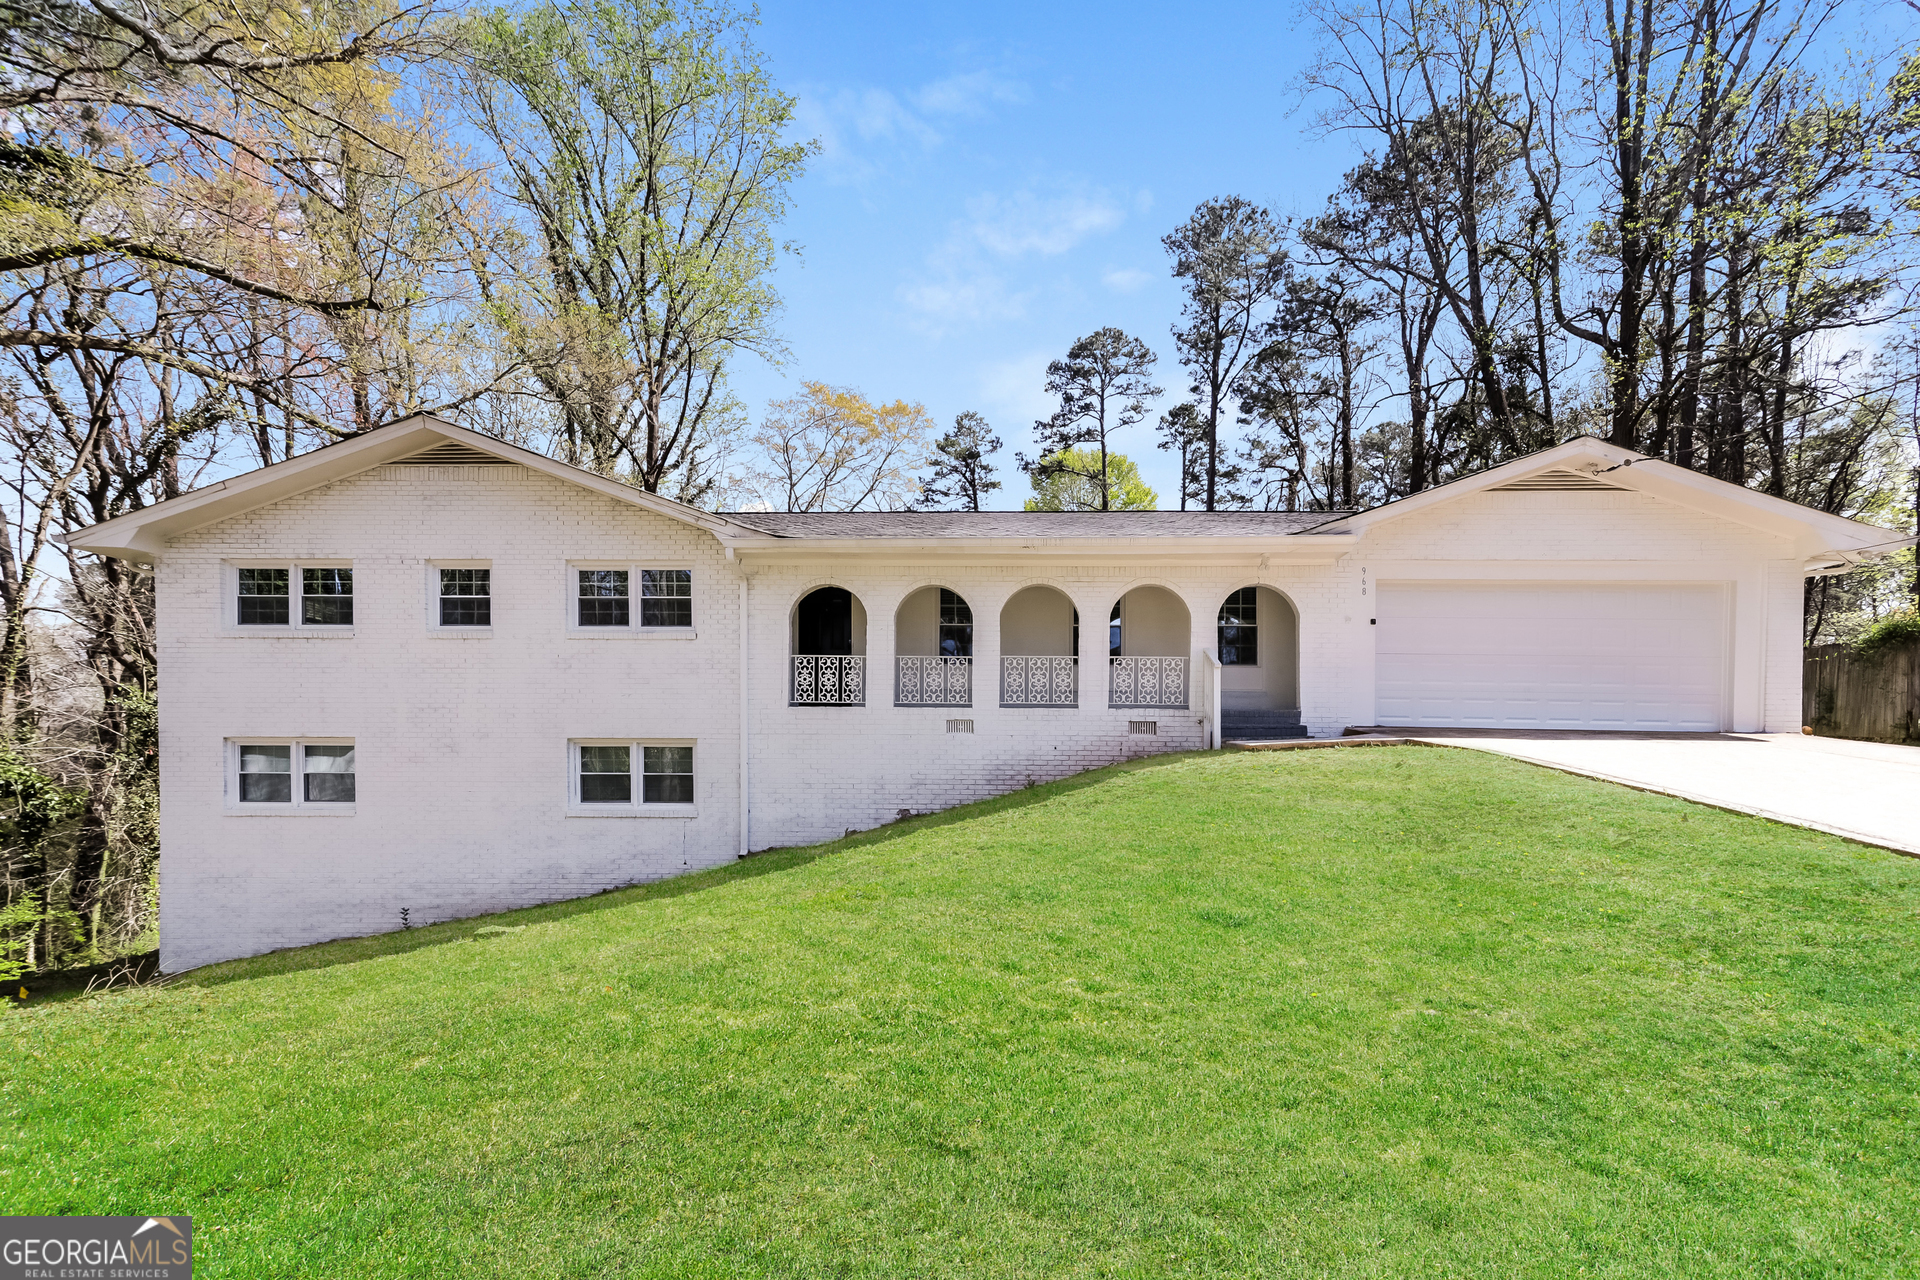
1384 1012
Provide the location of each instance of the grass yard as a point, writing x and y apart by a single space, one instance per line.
1386 1012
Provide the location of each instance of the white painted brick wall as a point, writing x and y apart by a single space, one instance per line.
462 741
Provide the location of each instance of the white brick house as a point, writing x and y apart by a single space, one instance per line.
423 669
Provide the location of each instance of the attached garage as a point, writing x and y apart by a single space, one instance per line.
1646 656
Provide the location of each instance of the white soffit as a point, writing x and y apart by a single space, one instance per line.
420 440
1592 464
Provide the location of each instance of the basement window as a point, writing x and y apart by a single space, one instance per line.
622 778
291 775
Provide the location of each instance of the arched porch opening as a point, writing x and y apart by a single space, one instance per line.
1149 650
1259 639
828 643
1039 644
933 649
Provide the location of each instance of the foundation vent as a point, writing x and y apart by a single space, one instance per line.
1556 481
450 453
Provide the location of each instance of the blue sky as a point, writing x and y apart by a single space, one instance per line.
995 180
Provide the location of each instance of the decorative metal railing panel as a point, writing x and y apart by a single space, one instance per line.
933 682
1039 682
829 680
1147 682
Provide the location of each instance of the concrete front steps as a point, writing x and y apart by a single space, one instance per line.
1260 726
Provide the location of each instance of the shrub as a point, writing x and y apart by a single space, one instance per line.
1891 632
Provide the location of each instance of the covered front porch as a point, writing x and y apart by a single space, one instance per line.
1230 654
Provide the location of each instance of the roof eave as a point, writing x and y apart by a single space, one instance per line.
1287 545
143 535
1813 532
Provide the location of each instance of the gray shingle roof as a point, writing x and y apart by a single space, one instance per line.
1030 524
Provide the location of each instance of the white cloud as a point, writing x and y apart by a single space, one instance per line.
1124 279
858 126
1022 223
968 95
965 280
850 123
965 294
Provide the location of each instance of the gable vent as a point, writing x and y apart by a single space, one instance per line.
450 453
1554 481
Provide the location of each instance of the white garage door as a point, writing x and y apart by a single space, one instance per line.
1645 656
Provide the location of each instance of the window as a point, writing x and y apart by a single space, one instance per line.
263 596
606 775
614 599
604 778
956 626
266 774
466 597
326 597
666 598
1239 629
603 598
288 776
1113 631
669 775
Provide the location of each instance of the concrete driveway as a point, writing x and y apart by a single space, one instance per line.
1866 791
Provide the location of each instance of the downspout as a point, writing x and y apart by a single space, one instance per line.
746 754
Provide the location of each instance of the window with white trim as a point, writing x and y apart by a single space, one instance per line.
289 774
666 597
466 597
603 598
608 599
263 596
637 777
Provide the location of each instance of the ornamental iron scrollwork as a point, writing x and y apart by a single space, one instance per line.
1039 682
933 682
1147 682
829 680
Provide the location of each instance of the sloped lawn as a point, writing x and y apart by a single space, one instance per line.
1384 1012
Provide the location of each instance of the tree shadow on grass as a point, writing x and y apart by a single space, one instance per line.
343 951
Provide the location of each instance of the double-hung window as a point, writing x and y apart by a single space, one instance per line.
630 599
603 598
264 596
666 598
666 774
326 597
466 597
617 778
290 775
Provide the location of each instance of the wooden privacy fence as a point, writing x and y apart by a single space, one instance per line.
1876 697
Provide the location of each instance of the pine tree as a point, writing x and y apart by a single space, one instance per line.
961 472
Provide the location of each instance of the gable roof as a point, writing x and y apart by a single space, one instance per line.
1829 543
422 439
